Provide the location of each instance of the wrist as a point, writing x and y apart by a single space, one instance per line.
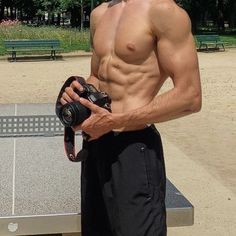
119 120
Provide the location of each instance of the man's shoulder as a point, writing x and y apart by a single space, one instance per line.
166 15
98 11
163 6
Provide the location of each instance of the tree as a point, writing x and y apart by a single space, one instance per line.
76 8
216 10
230 12
200 11
2 5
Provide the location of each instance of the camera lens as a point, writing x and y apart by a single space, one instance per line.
73 113
67 114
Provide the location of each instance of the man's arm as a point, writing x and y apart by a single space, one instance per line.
178 58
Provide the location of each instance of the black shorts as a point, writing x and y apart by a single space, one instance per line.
123 185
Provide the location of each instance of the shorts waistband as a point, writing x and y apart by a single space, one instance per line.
116 133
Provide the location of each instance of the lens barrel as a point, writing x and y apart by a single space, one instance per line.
73 113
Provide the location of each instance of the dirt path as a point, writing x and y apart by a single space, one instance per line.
200 149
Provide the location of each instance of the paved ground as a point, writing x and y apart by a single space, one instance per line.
199 149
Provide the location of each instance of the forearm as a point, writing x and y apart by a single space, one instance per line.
167 106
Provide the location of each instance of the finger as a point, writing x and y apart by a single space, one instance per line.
89 105
76 85
66 97
71 93
63 101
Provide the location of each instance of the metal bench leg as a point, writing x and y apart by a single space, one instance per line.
13 56
200 46
223 46
54 55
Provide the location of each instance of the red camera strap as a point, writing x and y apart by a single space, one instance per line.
69 134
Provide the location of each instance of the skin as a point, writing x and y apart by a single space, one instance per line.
137 45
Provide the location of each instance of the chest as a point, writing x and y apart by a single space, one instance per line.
124 32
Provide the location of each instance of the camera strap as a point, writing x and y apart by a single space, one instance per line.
69 145
69 134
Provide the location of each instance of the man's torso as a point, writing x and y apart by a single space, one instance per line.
125 47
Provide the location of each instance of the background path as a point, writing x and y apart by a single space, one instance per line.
200 149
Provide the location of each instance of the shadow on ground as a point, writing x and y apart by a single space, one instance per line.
38 58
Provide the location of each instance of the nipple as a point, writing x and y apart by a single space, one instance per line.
131 47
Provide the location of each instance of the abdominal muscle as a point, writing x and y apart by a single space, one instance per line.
130 86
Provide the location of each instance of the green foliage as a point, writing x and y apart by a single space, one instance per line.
229 39
218 11
71 39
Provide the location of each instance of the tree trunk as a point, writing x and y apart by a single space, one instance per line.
58 19
11 13
92 5
220 16
2 11
81 14
21 14
194 20
52 18
75 16
232 17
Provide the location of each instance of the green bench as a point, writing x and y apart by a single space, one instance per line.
32 45
213 41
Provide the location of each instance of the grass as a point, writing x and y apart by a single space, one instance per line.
71 39
230 40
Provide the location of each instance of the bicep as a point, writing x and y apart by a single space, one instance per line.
176 50
179 59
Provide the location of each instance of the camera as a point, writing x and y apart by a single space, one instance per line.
74 113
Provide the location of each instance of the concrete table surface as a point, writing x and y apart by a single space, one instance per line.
40 188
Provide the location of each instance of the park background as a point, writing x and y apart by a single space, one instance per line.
68 20
199 149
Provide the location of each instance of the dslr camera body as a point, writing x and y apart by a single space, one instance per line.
74 113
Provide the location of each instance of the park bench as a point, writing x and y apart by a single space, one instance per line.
45 197
213 41
32 45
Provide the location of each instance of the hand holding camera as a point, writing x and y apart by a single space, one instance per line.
72 112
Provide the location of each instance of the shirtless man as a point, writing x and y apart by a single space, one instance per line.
137 45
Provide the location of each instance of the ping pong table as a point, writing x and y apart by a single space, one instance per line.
39 187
